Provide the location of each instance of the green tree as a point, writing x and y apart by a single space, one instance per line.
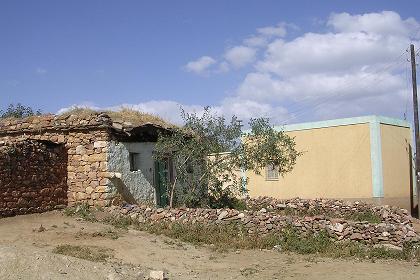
18 111
209 152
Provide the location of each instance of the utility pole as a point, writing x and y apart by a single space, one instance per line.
416 123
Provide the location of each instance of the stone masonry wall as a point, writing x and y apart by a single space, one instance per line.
88 178
394 227
32 177
89 138
86 142
86 165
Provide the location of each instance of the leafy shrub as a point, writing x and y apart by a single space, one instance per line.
18 111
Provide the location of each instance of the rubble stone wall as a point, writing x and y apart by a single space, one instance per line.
88 139
87 170
32 177
393 228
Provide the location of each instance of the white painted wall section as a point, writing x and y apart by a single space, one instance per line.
135 186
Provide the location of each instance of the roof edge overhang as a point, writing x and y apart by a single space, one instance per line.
344 122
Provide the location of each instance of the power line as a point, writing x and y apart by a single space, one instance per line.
336 93
301 111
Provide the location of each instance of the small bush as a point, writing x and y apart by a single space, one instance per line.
226 200
314 243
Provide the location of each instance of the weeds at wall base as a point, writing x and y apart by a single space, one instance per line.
234 236
81 211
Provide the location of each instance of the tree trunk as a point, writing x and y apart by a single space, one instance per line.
171 196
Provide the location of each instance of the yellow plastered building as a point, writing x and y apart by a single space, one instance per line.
363 158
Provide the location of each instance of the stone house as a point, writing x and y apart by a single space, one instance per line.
106 159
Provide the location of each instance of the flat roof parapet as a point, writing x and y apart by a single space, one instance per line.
344 122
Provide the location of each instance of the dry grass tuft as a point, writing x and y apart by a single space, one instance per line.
137 117
91 253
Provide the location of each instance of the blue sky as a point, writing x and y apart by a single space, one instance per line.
157 55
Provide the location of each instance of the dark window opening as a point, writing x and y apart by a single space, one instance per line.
134 161
271 173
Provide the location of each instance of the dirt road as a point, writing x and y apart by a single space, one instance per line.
26 252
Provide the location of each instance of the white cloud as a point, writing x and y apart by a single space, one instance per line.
330 52
200 65
223 67
355 68
245 109
240 56
384 23
84 104
256 41
273 31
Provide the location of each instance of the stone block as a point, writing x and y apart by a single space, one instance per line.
99 144
157 275
80 150
101 189
97 157
89 190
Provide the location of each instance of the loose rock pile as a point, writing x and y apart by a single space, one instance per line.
394 229
331 208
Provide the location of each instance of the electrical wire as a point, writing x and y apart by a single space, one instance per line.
338 93
302 109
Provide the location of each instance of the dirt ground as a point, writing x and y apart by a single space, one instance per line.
26 253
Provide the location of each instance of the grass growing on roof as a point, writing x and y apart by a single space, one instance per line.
124 114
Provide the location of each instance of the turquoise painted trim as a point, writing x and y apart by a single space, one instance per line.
393 121
341 122
376 158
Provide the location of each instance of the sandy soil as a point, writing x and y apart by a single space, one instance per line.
26 253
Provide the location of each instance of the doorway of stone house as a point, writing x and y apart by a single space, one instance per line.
164 177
